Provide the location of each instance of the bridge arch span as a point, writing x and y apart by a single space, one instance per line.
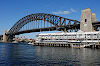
57 21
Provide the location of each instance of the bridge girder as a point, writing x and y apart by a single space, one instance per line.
57 21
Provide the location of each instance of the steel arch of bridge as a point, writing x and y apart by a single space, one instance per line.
57 21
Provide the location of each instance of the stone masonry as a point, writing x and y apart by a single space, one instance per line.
86 20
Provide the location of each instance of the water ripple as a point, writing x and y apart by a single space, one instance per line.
29 55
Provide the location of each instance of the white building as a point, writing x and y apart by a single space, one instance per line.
64 37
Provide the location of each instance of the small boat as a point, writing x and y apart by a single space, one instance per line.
30 43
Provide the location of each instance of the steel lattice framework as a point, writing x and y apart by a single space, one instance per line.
57 21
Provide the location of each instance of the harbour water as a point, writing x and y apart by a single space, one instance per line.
29 55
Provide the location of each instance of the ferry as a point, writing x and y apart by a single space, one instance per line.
77 39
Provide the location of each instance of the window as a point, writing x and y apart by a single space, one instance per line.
85 20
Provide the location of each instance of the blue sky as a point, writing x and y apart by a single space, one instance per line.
13 10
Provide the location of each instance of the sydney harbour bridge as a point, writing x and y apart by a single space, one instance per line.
45 22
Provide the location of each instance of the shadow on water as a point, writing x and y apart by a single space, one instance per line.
29 55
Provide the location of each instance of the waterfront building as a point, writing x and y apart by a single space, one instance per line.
64 37
75 39
85 36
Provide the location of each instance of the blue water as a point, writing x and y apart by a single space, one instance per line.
29 55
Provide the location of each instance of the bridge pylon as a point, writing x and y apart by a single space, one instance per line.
4 36
87 18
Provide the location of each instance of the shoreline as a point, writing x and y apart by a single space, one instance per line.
59 45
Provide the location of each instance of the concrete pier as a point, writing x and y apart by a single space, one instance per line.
4 36
73 45
52 44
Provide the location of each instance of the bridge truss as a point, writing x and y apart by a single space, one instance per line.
43 22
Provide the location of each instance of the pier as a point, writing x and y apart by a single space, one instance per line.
69 44
52 44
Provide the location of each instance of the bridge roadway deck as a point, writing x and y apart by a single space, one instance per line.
52 28
36 30
47 29
97 24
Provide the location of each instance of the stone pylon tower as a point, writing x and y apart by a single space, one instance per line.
87 18
93 17
4 36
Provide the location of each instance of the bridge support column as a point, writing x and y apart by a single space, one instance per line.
87 18
4 36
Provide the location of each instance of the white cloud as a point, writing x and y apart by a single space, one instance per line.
65 12
73 10
61 12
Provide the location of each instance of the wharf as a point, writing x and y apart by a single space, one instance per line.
69 44
52 44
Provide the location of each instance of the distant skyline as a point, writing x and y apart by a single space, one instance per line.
13 10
